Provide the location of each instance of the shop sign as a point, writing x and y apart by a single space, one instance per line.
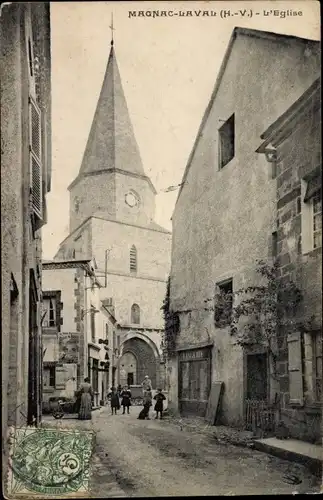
194 354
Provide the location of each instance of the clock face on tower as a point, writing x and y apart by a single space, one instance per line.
132 199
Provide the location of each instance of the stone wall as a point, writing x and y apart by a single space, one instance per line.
94 193
21 244
298 156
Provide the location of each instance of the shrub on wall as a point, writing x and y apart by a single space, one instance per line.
171 329
255 315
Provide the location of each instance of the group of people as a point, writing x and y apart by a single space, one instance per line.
120 397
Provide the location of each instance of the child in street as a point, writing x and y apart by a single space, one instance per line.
159 406
114 400
125 399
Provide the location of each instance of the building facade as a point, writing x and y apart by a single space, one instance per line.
295 141
78 332
112 207
225 215
25 180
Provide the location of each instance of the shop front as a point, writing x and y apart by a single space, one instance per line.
194 379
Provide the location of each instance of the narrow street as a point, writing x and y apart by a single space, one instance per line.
157 458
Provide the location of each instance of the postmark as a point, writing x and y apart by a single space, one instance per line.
49 462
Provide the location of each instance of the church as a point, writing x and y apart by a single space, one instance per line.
112 208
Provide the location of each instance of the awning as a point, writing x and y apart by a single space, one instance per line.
313 186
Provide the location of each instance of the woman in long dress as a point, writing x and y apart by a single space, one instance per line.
85 411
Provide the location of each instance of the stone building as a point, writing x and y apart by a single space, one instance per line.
25 180
112 206
78 331
225 215
293 144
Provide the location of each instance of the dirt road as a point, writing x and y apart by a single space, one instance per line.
155 458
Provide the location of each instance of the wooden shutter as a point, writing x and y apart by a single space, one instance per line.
133 259
35 158
295 371
60 377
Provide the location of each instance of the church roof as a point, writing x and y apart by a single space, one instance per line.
111 143
153 226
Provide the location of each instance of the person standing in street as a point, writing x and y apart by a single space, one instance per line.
146 385
119 391
125 399
85 411
159 406
113 397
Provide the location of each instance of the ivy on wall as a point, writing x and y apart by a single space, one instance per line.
171 321
255 315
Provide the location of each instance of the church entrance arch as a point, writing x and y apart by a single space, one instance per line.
142 354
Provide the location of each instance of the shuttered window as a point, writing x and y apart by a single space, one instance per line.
295 368
317 366
35 158
317 220
133 259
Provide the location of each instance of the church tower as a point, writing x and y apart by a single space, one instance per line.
112 208
111 179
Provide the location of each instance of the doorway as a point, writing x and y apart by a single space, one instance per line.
194 381
113 376
257 376
130 379
34 368
128 369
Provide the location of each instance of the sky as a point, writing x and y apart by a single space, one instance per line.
168 67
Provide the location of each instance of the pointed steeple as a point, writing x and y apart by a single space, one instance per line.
111 144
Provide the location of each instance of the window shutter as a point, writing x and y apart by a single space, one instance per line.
295 368
59 377
133 259
35 157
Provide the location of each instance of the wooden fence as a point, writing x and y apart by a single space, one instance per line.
261 416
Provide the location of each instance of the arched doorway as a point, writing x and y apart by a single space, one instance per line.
147 360
128 369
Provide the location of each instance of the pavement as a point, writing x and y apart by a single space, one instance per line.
170 458
308 454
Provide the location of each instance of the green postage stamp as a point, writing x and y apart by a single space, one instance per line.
49 462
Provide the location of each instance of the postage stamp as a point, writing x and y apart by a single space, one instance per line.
49 462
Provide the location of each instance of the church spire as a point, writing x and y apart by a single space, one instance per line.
111 143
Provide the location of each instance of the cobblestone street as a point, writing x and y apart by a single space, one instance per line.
157 458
